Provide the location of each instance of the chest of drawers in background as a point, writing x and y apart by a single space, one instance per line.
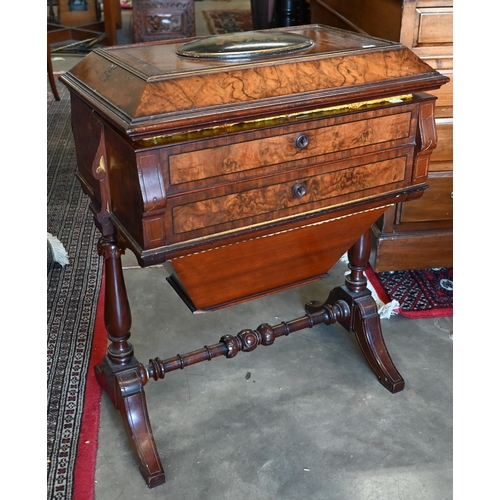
418 233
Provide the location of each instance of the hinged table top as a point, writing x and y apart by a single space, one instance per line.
145 89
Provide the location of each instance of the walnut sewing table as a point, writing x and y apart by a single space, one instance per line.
248 164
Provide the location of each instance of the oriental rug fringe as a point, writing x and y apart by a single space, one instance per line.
72 301
420 293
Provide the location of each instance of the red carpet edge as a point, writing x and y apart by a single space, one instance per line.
431 313
83 487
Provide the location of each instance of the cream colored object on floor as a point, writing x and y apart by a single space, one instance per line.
56 251
385 311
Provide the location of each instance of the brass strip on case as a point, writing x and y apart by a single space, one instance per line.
264 122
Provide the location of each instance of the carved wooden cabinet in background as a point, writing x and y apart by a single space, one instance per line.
162 19
418 233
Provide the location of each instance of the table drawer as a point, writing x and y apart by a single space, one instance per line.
436 204
292 194
279 148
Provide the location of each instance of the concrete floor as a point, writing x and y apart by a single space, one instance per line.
303 419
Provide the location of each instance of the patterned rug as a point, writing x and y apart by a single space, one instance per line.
72 299
228 21
421 293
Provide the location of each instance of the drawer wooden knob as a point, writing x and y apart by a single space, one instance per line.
299 190
301 141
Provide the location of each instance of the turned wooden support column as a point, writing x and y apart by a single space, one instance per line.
120 374
358 256
363 319
117 316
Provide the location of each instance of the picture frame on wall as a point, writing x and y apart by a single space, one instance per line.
77 12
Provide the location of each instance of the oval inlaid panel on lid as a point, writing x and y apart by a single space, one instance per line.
244 45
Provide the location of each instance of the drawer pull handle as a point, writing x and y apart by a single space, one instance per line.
451 195
299 190
301 141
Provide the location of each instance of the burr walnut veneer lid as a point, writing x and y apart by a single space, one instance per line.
148 89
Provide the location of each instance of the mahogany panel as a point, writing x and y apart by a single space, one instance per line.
86 134
224 275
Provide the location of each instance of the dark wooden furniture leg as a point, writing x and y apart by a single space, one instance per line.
50 72
364 320
120 375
